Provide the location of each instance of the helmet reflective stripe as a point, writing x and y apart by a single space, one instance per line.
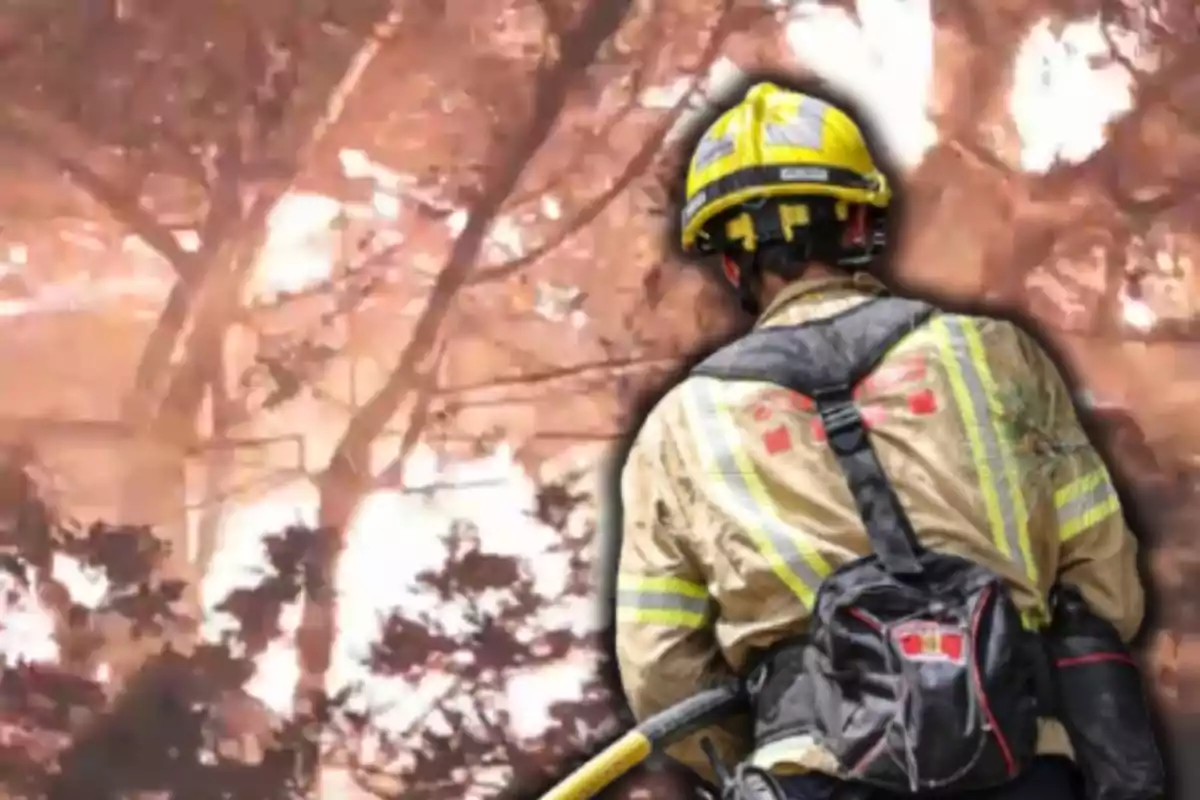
807 130
712 148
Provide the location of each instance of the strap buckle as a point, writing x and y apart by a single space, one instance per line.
845 428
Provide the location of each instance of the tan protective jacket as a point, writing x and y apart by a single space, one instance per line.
734 509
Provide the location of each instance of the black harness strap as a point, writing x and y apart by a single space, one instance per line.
824 360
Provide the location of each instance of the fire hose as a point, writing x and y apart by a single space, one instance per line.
659 731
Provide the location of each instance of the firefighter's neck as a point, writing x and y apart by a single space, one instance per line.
772 284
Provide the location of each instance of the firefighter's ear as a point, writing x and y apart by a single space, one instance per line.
733 273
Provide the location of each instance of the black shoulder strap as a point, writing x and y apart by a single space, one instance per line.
824 360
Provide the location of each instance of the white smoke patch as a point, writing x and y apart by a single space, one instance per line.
885 64
1066 90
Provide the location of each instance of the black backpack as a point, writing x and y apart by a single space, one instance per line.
915 672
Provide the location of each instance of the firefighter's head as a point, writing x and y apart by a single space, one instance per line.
780 182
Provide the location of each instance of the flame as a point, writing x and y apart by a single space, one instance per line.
27 634
302 244
1137 314
392 537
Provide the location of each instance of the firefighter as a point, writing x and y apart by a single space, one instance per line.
734 512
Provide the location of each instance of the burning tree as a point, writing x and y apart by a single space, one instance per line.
179 129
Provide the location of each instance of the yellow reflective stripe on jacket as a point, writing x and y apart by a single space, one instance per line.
741 493
1085 502
975 393
662 601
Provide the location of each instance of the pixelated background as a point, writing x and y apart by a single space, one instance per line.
318 319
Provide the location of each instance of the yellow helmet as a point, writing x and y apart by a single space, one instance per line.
775 145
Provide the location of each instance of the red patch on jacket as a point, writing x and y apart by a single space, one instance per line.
777 440
906 372
923 402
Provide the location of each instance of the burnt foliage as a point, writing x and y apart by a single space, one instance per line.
183 725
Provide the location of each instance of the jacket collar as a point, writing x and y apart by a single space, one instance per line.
803 300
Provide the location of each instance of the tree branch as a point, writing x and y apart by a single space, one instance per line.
53 142
417 422
216 281
599 136
553 80
605 367
634 169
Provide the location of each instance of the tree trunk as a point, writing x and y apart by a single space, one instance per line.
155 489
218 467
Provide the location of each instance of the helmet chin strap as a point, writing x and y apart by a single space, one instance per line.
749 287
748 291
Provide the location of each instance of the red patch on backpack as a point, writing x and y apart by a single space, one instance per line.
923 640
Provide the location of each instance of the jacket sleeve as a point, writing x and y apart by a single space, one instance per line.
665 643
1097 551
